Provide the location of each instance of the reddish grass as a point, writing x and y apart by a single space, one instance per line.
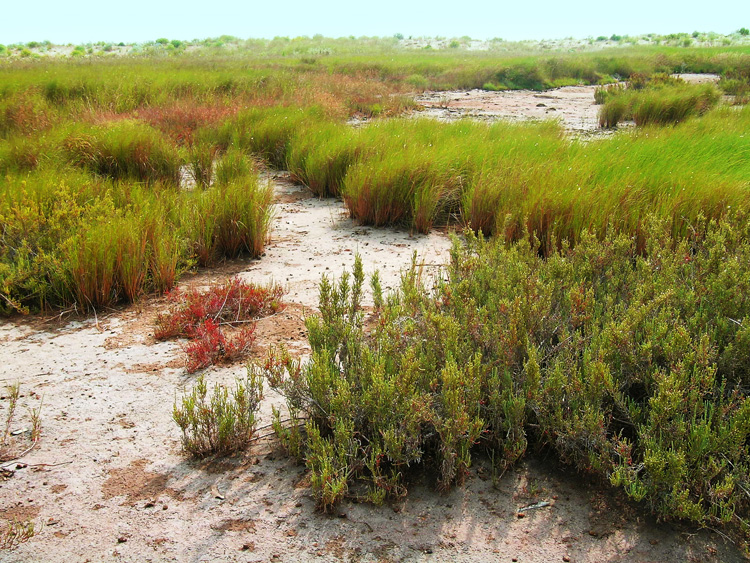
180 121
24 117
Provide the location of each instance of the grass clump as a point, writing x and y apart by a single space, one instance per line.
222 423
200 315
126 151
623 361
656 102
17 532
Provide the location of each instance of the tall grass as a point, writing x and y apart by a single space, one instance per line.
103 144
661 105
126 150
515 178
90 242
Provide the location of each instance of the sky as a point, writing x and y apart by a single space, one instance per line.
133 21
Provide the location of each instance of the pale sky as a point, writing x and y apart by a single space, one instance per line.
80 21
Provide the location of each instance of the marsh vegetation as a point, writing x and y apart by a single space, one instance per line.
596 306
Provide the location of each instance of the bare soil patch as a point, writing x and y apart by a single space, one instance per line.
573 106
109 482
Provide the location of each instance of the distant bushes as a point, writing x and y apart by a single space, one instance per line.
628 363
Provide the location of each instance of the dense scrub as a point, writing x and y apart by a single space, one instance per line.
99 157
629 364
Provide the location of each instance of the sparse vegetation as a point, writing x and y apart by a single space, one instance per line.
222 423
15 443
17 532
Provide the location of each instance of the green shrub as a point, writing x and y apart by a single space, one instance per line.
624 361
222 423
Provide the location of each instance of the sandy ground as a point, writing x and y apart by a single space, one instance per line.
572 106
108 481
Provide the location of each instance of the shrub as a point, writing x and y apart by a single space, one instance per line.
511 350
235 301
210 346
222 423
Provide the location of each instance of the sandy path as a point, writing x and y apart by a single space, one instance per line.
108 481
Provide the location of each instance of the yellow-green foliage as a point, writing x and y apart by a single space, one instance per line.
513 178
220 423
73 239
628 363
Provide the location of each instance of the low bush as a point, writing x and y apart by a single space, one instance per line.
626 362
222 423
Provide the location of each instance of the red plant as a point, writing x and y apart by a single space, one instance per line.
211 346
199 316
